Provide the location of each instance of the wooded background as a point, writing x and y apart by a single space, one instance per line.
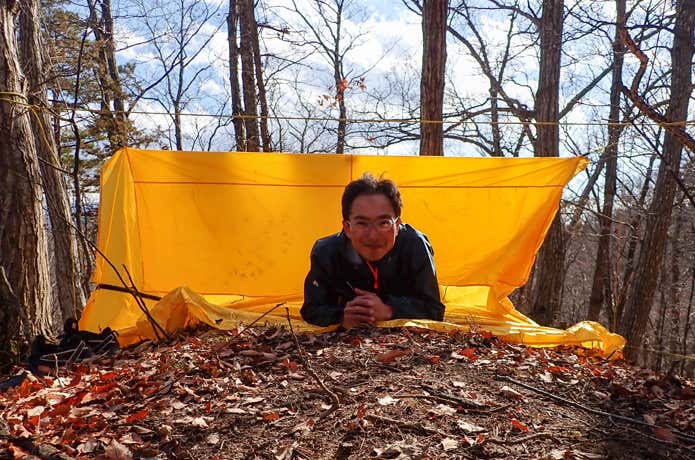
608 79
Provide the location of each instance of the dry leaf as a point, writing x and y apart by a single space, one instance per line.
270 416
199 422
117 451
664 434
131 438
87 447
213 438
449 444
469 427
510 392
443 409
390 356
387 400
137 416
519 426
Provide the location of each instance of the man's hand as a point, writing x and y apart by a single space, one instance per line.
367 307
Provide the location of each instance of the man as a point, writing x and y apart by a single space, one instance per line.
376 269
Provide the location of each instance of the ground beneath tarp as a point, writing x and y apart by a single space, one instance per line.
402 393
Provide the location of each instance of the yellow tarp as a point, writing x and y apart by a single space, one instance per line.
225 236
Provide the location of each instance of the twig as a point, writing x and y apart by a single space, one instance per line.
661 441
449 401
255 321
335 402
680 434
468 404
141 303
406 425
522 440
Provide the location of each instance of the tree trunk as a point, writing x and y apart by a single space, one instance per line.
115 118
674 302
640 299
118 135
550 272
65 265
232 23
258 66
634 230
340 82
23 242
247 75
601 286
434 15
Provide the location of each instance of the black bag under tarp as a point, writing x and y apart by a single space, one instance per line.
74 345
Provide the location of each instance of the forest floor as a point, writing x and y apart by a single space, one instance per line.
369 393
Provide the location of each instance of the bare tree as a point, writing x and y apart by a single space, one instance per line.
601 290
550 272
434 16
179 34
66 264
232 32
23 242
324 34
641 294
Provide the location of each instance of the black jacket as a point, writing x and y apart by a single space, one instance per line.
407 278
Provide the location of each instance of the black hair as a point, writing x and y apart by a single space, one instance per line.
370 185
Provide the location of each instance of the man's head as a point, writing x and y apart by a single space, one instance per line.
371 215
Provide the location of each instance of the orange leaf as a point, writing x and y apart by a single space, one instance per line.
390 356
25 388
469 353
137 416
361 411
271 416
519 426
108 376
434 359
557 370
289 365
104 388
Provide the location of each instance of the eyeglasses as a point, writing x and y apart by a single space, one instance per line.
382 225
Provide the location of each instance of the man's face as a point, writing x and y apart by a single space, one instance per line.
372 226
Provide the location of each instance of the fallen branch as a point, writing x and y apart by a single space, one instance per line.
335 402
523 439
465 403
559 399
407 425
449 401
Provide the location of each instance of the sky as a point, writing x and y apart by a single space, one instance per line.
387 53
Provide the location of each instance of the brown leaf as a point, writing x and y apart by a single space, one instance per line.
664 434
510 392
117 451
390 356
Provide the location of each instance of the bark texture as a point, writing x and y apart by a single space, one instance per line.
237 109
66 266
434 14
641 295
601 292
550 268
23 242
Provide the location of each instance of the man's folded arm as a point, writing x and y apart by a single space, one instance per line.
317 309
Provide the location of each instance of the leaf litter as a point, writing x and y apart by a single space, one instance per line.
403 393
